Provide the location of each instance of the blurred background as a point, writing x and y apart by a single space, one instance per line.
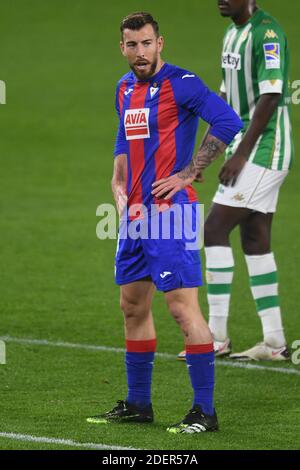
60 61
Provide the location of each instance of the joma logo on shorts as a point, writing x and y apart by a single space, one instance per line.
231 61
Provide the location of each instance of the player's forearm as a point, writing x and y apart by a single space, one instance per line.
224 126
120 170
264 111
119 182
210 149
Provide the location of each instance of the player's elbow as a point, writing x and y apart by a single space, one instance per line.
228 128
234 126
237 124
272 98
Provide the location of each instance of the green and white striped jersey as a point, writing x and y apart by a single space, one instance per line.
255 61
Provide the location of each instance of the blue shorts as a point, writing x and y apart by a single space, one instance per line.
171 260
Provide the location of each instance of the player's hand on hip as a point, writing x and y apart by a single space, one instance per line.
168 187
231 170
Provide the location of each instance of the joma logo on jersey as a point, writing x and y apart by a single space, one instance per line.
231 61
136 123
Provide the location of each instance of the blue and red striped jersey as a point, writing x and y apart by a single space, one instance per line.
158 123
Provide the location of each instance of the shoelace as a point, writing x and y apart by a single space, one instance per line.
193 412
121 405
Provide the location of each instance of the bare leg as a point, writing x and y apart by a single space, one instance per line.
184 306
135 301
256 243
185 309
220 222
256 233
220 268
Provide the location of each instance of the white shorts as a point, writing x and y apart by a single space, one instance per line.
256 188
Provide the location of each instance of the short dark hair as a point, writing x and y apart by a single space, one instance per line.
138 20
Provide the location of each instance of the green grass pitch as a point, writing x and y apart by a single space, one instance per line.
60 62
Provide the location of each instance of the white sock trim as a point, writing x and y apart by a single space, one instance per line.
261 264
218 277
219 257
272 327
268 290
218 299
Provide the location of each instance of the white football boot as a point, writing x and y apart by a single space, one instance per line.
222 348
262 352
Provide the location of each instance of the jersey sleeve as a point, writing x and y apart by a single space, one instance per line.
195 96
269 56
121 145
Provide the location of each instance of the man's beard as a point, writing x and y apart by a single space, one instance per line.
142 74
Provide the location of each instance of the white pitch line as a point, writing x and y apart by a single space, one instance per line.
91 347
242 365
65 442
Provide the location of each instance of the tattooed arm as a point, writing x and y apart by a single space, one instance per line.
209 150
224 123
199 177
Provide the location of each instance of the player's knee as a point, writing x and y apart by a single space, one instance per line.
179 311
214 233
129 307
255 243
256 249
132 310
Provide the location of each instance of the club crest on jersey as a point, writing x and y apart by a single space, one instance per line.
136 123
231 60
153 91
272 55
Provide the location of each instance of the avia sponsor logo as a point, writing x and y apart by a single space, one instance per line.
136 123
231 61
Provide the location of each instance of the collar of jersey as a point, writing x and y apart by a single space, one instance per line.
254 19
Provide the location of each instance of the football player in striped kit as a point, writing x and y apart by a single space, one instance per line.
159 106
255 63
